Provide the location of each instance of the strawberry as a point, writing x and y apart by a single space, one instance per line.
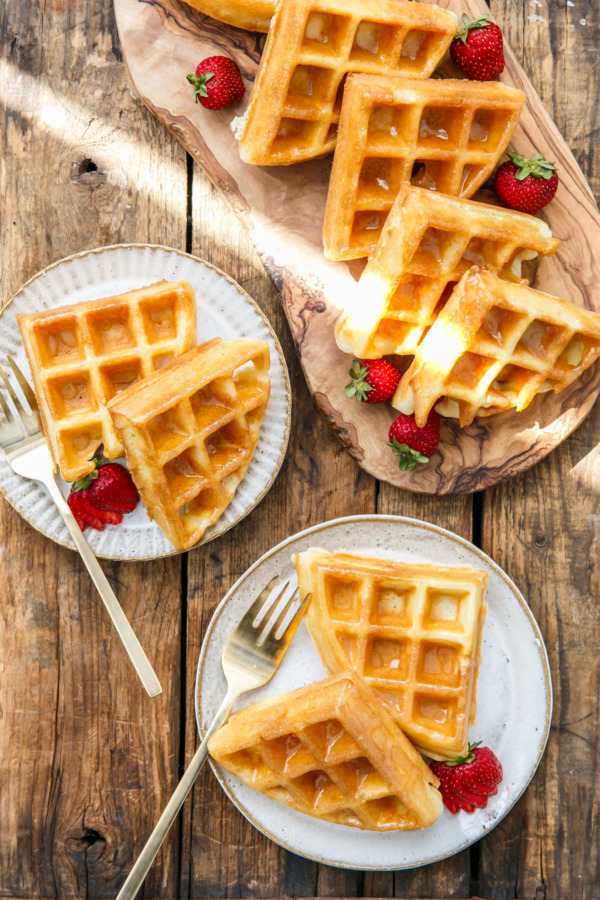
217 82
468 781
412 444
113 489
526 184
373 380
103 496
477 48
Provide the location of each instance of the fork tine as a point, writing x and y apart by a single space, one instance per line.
7 410
28 422
281 617
23 384
260 601
278 646
13 420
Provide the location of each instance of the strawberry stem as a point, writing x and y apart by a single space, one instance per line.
535 165
199 84
480 22
408 459
83 484
358 387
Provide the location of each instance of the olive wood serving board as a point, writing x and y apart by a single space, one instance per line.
283 207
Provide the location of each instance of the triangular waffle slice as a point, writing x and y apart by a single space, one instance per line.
333 751
442 134
493 347
190 430
82 355
412 631
294 107
428 242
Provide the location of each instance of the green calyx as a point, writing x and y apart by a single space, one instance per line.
468 758
83 483
358 387
536 166
468 26
199 84
408 459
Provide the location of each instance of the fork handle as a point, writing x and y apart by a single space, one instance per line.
153 844
119 619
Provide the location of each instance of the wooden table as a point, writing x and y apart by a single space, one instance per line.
87 761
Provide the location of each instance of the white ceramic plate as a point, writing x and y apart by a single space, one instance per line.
514 694
224 310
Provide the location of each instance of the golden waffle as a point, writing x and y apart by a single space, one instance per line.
428 242
412 631
295 103
493 347
331 750
446 135
253 15
81 356
190 430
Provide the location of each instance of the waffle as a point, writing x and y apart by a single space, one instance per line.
190 430
333 751
428 242
412 631
253 15
81 356
494 346
295 103
446 135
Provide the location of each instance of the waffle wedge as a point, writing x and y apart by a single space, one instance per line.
428 242
81 356
493 347
294 107
445 135
190 430
412 631
331 750
252 15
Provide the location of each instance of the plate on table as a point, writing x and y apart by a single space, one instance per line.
514 693
224 310
282 208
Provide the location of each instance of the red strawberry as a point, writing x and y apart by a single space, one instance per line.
468 781
526 184
217 82
103 496
113 489
413 444
477 48
373 380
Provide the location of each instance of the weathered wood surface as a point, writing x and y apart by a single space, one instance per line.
283 208
86 760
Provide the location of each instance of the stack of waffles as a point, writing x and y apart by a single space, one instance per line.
353 77
123 373
402 644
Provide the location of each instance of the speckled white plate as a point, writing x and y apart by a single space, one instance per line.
514 702
224 310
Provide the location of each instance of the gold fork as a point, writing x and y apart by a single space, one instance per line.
27 454
250 658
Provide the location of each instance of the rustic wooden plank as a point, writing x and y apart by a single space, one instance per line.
318 481
543 529
87 760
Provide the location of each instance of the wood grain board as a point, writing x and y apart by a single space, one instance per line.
282 209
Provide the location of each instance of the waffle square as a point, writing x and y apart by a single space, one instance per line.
83 355
446 135
190 430
428 242
331 750
413 632
493 347
295 103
